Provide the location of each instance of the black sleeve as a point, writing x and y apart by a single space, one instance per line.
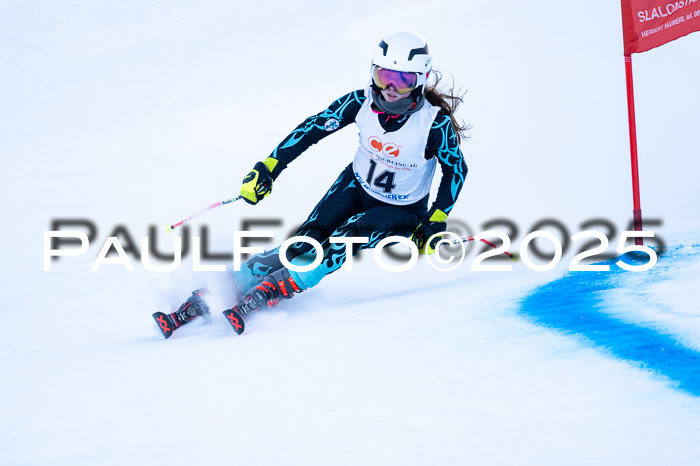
443 144
338 115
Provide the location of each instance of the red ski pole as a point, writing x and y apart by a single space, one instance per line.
485 241
228 201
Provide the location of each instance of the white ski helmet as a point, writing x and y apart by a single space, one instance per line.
404 51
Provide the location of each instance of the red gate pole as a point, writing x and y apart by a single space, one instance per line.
637 212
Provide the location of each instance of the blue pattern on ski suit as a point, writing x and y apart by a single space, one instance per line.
350 211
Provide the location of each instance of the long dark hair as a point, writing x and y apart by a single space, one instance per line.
448 101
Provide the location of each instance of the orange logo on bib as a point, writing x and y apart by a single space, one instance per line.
389 149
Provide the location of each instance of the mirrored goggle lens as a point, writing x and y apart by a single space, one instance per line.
404 82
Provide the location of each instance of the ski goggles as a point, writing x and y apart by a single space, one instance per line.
402 81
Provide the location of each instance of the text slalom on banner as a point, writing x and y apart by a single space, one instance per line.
651 23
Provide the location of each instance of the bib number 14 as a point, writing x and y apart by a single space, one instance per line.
384 180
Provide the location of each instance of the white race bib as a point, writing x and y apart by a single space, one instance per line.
392 167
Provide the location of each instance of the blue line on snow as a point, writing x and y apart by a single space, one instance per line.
573 304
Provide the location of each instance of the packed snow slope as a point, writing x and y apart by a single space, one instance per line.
416 368
134 115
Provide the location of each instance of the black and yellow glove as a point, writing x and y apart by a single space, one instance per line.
433 223
258 183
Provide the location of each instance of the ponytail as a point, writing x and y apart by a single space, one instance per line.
448 101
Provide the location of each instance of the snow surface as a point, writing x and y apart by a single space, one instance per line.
140 113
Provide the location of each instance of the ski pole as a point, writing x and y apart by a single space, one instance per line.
228 201
485 241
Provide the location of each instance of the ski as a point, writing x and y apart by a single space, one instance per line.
165 323
194 307
235 319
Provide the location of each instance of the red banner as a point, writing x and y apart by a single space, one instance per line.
650 23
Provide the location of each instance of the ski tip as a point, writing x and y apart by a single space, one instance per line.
165 323
236 320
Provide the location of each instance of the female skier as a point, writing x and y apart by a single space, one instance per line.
405 128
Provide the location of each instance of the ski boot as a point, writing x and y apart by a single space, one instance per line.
274 287
189 310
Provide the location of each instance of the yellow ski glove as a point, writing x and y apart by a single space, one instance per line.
431 224
258 183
